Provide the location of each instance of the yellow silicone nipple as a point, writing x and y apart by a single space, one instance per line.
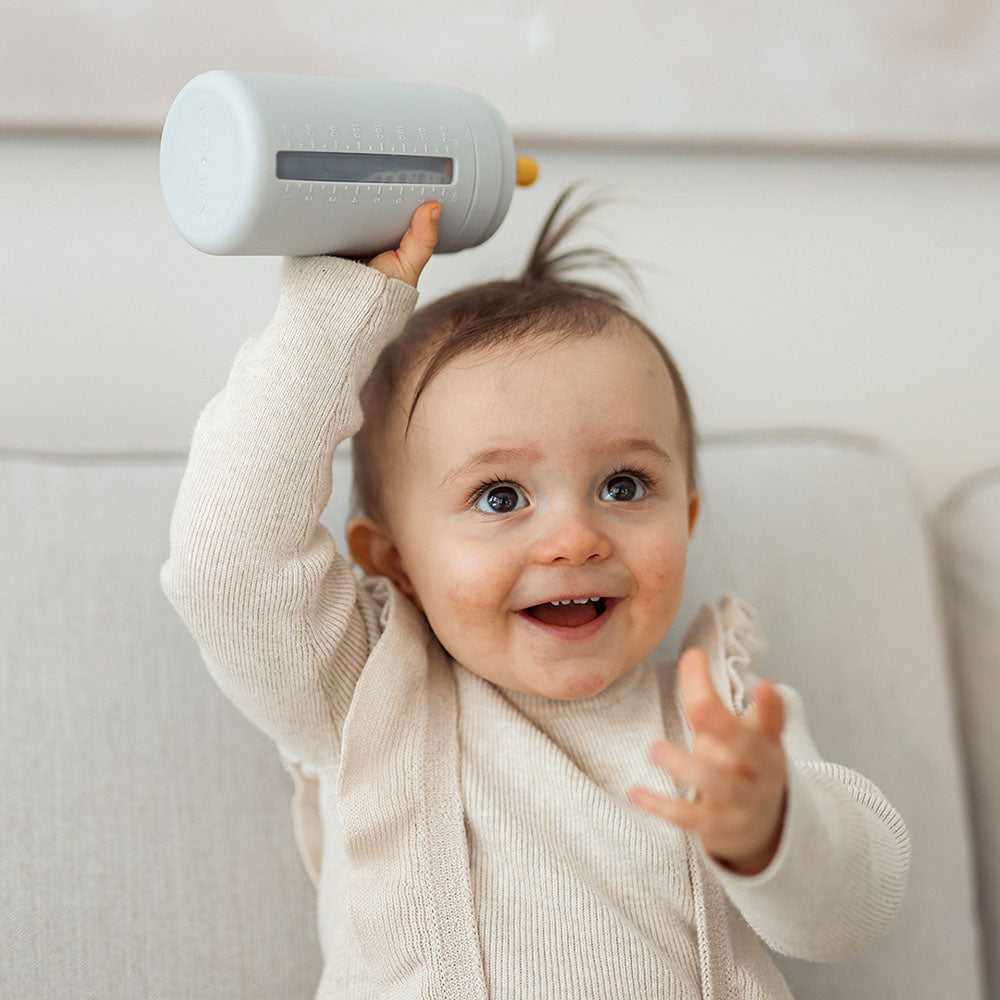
527 171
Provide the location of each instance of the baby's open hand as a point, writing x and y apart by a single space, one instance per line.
415 248
736 769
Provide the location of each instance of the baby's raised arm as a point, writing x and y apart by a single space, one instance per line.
283 624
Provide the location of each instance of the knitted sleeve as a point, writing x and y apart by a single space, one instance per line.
282 622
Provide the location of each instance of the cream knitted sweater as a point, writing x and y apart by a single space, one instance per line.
468 841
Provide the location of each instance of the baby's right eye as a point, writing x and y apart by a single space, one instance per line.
499 498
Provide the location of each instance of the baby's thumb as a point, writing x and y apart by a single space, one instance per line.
418 242
415 248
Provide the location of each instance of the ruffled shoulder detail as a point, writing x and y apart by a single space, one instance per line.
742 640
743 645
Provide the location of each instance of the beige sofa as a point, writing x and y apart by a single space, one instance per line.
147 847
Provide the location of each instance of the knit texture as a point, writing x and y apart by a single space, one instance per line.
468 841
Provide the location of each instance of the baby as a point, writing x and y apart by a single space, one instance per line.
501 790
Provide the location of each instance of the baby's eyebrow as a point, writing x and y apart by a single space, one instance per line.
619 445
488 457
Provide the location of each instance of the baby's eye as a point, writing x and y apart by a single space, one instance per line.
501 498
623 488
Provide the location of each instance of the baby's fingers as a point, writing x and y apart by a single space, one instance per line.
702 704
767 713
679 812
712 770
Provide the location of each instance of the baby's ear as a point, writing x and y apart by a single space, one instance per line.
694 506
373 549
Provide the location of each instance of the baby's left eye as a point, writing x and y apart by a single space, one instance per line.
623 488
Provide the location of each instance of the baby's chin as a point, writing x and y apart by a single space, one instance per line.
569 685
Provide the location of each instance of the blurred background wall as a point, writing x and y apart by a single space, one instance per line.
810 193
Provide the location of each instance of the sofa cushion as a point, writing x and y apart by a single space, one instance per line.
968 531
147 846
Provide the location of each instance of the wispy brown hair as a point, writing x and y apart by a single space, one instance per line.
541 303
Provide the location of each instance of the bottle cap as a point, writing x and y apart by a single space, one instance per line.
527 171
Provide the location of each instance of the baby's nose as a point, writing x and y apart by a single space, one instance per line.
574 536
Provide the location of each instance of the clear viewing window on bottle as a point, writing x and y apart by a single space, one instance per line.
363 168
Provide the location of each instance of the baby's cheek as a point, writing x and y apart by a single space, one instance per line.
665 571
463 583
464 622
464 604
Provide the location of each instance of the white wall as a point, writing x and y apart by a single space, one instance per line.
852 291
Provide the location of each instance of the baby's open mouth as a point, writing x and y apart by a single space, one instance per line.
568 613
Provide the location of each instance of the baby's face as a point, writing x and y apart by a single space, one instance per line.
525 484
